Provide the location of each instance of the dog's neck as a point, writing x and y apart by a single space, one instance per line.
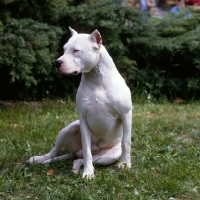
105 63
104 70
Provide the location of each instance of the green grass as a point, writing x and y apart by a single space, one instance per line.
165 155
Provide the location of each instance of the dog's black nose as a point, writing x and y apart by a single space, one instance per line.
58 63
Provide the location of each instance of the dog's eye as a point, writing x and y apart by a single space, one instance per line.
75 51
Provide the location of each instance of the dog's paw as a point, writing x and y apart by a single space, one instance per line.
76 165
88 173
36 160
124 165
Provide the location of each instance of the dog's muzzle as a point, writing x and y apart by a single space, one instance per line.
58 63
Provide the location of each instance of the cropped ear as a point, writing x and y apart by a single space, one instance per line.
73 32
95 36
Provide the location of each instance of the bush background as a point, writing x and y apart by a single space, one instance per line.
156 56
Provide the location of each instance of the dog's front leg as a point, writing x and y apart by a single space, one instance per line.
88 171
125 159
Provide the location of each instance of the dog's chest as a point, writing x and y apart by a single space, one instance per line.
100 111
99 103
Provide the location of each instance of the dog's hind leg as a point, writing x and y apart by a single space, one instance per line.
102 157
69 137
63 157
107 156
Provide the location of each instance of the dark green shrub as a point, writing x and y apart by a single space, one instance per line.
28 49
156 56
160 56
179 49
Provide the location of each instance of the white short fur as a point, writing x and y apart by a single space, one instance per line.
103 132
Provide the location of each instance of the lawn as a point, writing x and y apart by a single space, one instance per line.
165 155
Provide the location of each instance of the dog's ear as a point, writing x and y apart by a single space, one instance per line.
96 37
73 32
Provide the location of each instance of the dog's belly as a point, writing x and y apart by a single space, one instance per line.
106 128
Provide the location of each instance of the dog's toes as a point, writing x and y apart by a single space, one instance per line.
88 176
36 160
88 173
31 160
76 165
124 165
74 171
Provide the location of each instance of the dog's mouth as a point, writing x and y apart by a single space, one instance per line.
73 73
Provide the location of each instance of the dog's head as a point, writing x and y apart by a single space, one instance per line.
81 53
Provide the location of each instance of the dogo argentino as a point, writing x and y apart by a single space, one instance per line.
103 132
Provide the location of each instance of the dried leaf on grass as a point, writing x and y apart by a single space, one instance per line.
50 172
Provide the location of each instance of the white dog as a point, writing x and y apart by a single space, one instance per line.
103 132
